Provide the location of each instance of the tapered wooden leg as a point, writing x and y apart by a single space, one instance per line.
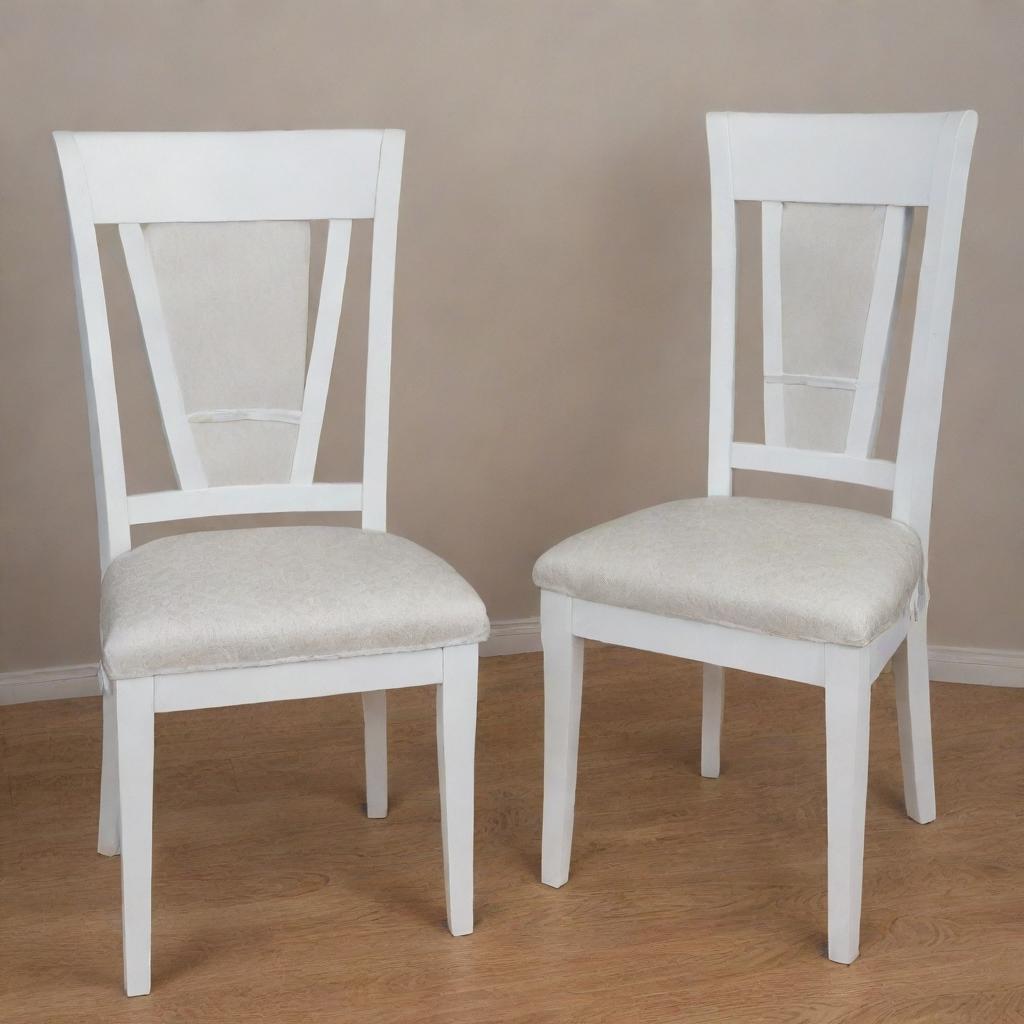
563 690
375 743
847 717
456 741
913 710
711 721
133 699
109 842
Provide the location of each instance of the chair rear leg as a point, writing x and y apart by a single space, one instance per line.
563 690
375 743
456 741
913 711
847 718
133 700
109 841
711 721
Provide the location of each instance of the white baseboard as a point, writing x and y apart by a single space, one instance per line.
513 636
49 684
983 666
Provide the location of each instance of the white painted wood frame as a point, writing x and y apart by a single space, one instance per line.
897 161
136 179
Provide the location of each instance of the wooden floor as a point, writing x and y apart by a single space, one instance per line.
691 900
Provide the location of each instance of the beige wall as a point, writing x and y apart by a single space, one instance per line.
550 364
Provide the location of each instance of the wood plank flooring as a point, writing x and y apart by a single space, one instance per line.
691 900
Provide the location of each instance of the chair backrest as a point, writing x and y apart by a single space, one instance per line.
216 234
837 194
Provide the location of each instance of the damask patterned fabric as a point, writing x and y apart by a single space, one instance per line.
789 569
262 596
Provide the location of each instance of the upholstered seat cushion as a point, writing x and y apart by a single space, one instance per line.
809 572
236 598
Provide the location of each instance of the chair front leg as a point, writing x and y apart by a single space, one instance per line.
847 719
456 742
711 721
563 691
913 712
133 701
109 841
375 744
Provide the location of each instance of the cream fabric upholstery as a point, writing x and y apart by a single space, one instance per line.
817 418
246 451
235 297
235 598
828 259
829 254
809 572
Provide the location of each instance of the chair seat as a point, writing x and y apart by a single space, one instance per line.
239 598
788 569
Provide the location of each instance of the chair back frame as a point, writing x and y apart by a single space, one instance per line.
897 161
134 179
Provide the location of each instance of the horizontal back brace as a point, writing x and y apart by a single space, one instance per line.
243 499
878 473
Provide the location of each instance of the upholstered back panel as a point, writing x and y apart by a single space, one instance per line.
829 254
234 300
821 272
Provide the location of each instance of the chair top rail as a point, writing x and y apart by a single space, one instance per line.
192 177
833 158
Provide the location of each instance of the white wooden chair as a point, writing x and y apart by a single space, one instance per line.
216 235
812 593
